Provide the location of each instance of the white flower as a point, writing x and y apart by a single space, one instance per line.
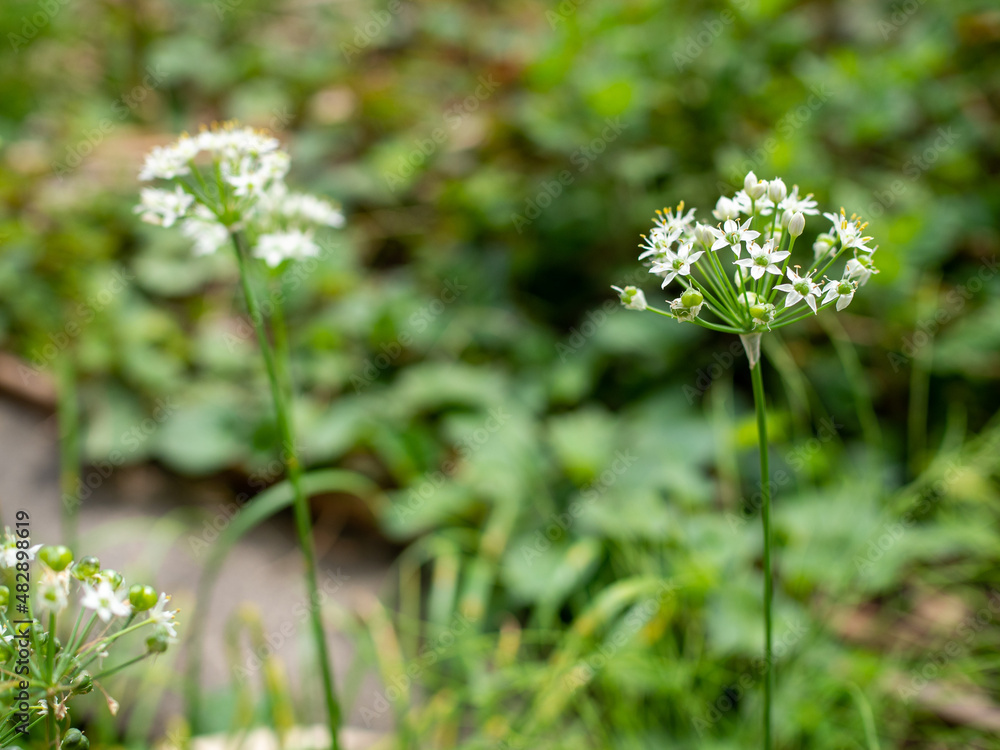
800 288
163 207
8 550
842 291
53 591
279 246
671 222
164 617
631 297
166 163
823 246
733 233
726 209
850 231
677 263
204 230
796 224
793 202
776 190
754 188
303 208
861 268
763 259
658 243
104 601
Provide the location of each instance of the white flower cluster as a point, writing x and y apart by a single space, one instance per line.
764 219
231 179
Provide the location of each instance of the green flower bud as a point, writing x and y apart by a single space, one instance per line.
113 577
759 310
157 643
142 597
75 740
692 298
83 683
4 596
56 557
43 642
88 567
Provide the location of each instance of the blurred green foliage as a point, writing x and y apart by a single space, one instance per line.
497 162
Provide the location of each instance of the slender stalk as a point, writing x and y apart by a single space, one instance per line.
765 516
69 447
302 521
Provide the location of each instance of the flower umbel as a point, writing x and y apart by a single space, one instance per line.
740 293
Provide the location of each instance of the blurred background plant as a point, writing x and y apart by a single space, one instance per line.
573 492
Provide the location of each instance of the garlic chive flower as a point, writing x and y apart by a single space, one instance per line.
799 288
104 601
756 291
9 550
232 179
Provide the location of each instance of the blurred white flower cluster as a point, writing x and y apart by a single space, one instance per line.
764 219
232 179
37 587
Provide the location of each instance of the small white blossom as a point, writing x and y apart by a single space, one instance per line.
860 268
204 230
850 231
677 263
793 202
754 188
823 246
800 288
842 291
8 550
796 224
53 591
776 190
725 209
276 247
733 233
104 601
763 259
164 617
163 207
165 163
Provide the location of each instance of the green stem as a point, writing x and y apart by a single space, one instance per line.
765 516
69 447
301 505
698 321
